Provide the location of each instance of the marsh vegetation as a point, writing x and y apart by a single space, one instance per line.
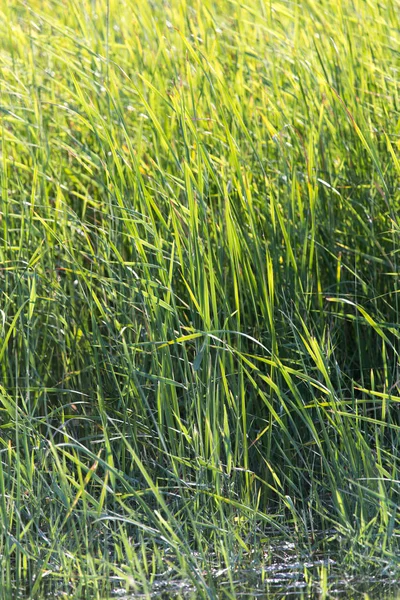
199 318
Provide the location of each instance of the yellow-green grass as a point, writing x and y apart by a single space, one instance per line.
199 244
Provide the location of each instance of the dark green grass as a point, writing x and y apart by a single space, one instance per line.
199 241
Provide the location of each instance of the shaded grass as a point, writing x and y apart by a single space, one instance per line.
199 278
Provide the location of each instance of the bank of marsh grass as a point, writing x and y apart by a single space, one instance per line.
199 246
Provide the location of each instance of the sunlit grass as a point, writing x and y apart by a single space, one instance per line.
199 319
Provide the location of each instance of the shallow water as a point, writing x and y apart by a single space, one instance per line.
282 575
280 586
290 579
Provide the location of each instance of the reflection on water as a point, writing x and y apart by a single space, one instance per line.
283 585
282 575
289 579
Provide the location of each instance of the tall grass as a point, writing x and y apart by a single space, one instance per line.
199 290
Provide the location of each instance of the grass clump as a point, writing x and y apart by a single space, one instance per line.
199 236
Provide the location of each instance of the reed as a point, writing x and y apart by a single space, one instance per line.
199 242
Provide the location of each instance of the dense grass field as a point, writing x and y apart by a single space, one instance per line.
199 278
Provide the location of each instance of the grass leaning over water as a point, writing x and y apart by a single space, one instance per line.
199 281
